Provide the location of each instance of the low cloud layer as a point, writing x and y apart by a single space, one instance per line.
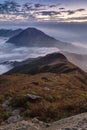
9 52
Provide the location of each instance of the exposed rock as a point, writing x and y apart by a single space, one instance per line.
6 106
46 88
78 122
16 112
14 119
22 125
34 98
40 123
35 120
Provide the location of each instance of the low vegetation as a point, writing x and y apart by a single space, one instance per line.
6 115
66 96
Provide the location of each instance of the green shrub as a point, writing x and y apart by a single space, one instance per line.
19 101
33 92
24 87
6 115
26 113
53 98
1 99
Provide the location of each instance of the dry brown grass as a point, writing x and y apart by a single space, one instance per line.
67 94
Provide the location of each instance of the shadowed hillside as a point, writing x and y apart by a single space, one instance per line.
54 63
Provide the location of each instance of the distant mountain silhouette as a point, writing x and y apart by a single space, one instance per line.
33 37
9 32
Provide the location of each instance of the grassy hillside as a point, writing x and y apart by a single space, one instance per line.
62 88
54 63
62 95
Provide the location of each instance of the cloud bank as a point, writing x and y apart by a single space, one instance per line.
13 11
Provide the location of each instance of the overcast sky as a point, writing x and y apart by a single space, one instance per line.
43 10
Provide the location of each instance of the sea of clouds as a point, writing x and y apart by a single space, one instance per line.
9 52
67 32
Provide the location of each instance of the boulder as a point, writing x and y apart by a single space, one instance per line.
14 119
34 98
46 88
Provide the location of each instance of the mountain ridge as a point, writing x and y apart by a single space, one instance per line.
55 63
49 84
32 37
9 32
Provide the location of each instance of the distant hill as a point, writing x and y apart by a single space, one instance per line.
33 37
18 63
9 32
55 63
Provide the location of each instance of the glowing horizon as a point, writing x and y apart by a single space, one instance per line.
53 11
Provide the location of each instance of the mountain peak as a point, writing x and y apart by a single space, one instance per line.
32 32
31 29
33 37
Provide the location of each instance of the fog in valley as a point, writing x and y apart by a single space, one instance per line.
72 33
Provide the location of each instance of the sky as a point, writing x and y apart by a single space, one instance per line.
43 11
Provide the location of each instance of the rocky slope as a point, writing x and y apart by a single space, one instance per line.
78 122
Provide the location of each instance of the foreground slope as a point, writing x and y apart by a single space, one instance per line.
77 122
56 88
